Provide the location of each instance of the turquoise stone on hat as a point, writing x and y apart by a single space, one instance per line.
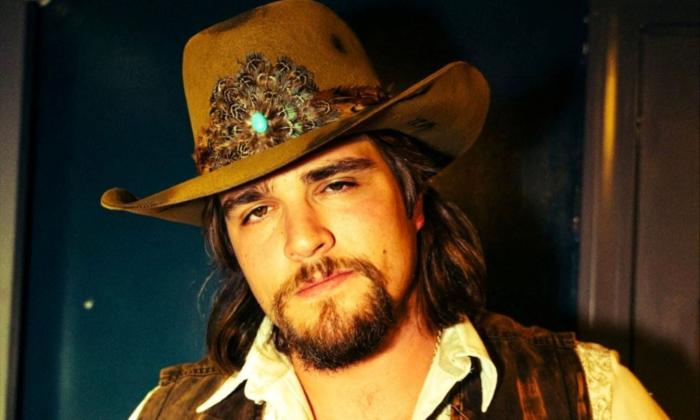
258 122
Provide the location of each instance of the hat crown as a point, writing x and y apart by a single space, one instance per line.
303 31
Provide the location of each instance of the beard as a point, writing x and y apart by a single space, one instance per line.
337 338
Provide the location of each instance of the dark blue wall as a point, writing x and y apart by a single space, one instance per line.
109 298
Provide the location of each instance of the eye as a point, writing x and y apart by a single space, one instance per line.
339 186
255 214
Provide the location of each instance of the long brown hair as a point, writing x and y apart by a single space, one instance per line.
449 275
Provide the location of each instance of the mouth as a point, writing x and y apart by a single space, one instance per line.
317 286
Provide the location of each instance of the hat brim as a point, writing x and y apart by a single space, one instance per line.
445 111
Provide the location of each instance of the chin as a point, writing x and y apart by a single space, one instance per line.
338 336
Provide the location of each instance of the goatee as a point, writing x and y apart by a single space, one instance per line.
338 338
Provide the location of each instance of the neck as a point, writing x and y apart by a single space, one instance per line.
389 381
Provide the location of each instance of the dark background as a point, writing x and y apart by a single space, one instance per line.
109 298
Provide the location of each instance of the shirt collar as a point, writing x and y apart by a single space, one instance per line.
458 344
269 373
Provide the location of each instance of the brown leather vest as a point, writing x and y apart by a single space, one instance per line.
539 377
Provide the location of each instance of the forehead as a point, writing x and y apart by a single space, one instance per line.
358 146
361 146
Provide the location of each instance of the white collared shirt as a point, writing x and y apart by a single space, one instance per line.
269 375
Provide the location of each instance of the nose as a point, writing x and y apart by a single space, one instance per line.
306 234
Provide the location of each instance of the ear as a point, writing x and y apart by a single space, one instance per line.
418 217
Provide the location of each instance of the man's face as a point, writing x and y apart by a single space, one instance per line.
328 250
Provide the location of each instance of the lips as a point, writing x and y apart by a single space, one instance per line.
314 287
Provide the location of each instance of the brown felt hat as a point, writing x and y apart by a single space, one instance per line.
271 85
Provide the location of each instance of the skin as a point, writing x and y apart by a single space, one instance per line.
342 202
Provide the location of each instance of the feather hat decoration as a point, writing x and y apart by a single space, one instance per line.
266 104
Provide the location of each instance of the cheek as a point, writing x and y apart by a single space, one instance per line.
255 260
382 233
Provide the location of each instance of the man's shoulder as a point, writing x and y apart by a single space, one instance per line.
537 367
181 389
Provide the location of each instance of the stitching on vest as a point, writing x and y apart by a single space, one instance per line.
169 375
535 336
565 340
501 328
172 374
200 371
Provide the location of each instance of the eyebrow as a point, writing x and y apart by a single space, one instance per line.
339 166
258 190
247 195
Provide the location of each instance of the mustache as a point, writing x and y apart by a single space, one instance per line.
327 266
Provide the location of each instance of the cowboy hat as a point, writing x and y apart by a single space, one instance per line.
272 85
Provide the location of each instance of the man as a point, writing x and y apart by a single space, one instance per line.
350 289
